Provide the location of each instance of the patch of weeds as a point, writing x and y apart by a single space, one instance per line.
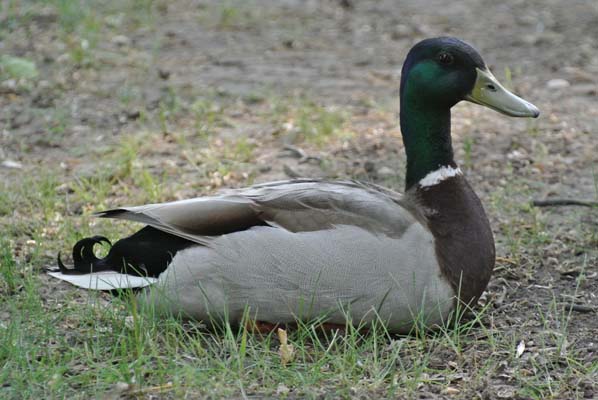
128 95
468 149
16 14
141 12
125 172
92 190
206 115
169 107
308 121
7 268
17 68
21 72
80 29
229 16
82 23
6 200
82 47
242 150
278 110
70 13
224 162
145 181
57 125
254 98
128 150
508 81
317 124
524 229
533 128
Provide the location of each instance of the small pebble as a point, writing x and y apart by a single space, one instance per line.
369 166
558 83
385 172
11 164
163 74
121 40
400 32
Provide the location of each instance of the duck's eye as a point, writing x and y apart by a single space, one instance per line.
445 58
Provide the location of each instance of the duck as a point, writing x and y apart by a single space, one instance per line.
342 251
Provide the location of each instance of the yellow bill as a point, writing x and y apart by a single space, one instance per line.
488 92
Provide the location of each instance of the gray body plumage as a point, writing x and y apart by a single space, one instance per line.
282 276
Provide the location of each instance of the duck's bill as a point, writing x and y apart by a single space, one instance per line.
488 92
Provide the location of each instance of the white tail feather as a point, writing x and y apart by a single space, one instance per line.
106 280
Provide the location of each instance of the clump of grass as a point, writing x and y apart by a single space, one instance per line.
7 268
229 16
224 161
15 14
318 124
171 102
80 28
468 149
308 121
206 116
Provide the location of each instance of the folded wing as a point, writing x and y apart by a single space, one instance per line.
296 206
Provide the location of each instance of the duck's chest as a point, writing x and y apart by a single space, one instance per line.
463 239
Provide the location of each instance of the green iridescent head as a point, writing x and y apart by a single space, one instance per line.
443 71
437 74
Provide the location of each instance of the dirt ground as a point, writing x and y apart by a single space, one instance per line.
189 77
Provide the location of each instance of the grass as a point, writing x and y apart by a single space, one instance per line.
70 343
80 345
304 120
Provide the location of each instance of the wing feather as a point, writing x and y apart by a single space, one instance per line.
296 206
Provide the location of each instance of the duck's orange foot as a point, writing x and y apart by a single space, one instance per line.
261 327
266 328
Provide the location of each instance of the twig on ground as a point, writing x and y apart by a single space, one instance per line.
291 173
506 260
582 308
564 202
299 153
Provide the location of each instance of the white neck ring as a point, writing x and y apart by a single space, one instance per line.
435 177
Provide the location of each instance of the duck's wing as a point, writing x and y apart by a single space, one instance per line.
296 206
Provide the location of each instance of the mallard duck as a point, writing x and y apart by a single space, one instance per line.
345 250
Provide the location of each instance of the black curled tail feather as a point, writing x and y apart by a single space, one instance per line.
84 259
83 255
145 253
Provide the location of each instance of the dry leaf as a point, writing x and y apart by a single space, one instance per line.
286 350
118 390
451 391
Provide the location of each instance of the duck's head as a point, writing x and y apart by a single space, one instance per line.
443 71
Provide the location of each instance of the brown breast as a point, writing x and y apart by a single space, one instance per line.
464 240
